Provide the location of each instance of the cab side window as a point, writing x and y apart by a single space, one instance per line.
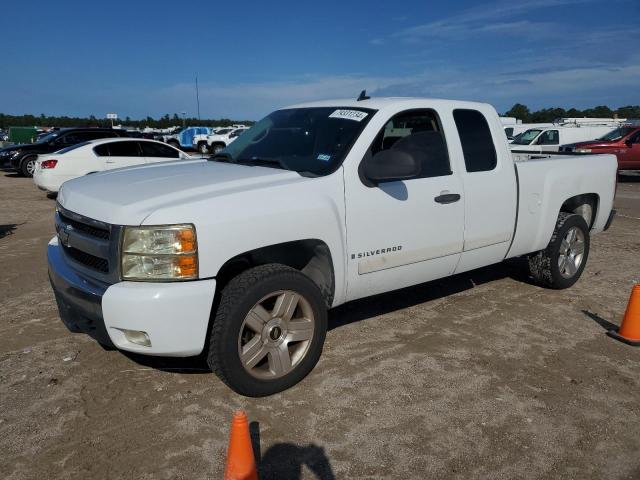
418 133
549 137
476 140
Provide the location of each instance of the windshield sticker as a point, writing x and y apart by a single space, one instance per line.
356 115
324 157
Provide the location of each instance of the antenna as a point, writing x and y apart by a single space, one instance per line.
363 96
197 96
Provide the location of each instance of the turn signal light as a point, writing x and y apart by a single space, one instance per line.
48 164
188 266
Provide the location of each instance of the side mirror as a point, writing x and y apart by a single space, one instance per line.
389 166
628 142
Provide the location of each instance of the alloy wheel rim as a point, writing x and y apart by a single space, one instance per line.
276 334
571 252
31 166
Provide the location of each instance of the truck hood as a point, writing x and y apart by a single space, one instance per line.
127 196
595 144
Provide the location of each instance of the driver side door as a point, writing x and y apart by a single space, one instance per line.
402 233
630 158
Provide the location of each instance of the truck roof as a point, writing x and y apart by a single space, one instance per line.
383 102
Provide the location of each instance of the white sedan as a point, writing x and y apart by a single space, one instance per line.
98 155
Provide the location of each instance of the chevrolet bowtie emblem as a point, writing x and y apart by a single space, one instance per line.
63 234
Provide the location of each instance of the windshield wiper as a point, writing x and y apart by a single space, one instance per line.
265 162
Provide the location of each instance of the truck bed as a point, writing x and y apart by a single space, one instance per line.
546 181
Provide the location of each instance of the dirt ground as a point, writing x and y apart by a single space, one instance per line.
479 376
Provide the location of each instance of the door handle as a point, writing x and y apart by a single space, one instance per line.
447 198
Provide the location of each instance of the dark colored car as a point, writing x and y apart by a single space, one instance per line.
22 158
623 142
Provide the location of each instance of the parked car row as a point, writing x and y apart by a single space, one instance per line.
22 158
93 156
216 141
550 139
623 142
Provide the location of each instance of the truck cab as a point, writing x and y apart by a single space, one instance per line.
623 142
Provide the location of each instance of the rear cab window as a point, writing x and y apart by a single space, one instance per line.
477 142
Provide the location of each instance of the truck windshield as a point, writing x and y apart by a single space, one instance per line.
306 140
525 138
616 134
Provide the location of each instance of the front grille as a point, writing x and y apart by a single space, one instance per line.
91 246
91 261
83 227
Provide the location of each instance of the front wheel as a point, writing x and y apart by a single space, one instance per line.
216 148
561 264
268 331
203 147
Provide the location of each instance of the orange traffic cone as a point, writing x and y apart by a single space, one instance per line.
629 331
241 464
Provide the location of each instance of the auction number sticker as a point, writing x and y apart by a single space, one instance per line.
356 115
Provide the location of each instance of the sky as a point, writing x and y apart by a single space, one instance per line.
139 58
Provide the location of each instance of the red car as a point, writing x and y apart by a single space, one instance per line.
624 142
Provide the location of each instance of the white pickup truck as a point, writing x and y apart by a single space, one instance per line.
239 257
216 141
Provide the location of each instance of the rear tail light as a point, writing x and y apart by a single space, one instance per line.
48 164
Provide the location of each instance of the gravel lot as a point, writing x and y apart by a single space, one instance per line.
479 376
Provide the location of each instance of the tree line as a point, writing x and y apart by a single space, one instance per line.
165 121
547 115
519 111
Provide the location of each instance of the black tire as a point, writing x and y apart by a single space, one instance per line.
203 147
174 144
544 265
237 299
25 164
216 147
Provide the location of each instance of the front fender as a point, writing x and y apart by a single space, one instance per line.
241 221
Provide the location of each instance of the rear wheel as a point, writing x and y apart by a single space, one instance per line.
28 166
268 331
561 264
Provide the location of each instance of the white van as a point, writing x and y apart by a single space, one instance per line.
549 139
513 131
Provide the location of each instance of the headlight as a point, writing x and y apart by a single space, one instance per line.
15 153
160 253
583 150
